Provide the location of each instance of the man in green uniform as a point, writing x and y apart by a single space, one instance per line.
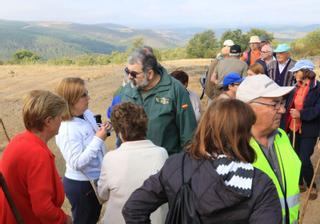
165 100
275 155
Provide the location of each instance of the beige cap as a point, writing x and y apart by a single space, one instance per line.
260 85
254 39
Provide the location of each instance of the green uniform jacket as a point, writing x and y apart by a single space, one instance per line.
169 110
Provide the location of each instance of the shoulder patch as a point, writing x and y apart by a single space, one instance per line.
184 106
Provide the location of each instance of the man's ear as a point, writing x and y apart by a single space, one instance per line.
150 74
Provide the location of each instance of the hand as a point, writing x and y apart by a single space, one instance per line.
214 78
68 220
294 113
104 128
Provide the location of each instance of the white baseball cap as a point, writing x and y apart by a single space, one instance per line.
228 43
253 87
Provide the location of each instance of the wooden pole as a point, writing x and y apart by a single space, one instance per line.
13 207
305 204
294 134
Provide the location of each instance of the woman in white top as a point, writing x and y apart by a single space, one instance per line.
126 168
81 142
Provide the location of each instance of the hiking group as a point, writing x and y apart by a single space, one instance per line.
232 163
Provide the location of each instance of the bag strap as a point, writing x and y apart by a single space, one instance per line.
182 169
92 182
202 94
9 198
94 187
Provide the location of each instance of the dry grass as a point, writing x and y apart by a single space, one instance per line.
102 82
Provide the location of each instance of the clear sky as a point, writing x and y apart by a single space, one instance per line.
150 13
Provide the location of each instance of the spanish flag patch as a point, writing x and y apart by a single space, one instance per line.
184 106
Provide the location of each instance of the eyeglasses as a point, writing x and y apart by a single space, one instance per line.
276 105
85 94
265 52
132 73
235 84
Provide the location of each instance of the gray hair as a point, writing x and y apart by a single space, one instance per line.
145 57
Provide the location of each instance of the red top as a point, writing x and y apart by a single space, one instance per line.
255 55
28 167
298 101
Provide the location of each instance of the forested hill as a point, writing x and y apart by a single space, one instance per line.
53 39
63 39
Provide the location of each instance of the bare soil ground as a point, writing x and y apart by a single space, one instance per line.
102 82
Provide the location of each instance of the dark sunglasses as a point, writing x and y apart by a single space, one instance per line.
132 73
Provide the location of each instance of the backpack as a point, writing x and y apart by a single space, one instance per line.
208 88
203 80
182 210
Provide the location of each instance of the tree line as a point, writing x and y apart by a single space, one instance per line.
201 45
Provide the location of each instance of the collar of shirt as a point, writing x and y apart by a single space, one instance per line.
282 66
271 138
271 155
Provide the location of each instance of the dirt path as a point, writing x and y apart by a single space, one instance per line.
102 81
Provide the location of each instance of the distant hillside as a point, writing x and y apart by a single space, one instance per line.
58 39
54 39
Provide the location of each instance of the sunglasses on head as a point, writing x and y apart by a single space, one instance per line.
132 73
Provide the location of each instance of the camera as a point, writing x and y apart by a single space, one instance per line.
99 122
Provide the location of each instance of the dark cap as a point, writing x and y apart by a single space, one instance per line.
235 49
264 38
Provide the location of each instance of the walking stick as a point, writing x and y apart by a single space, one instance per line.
5 130
305 204
13 207
294 133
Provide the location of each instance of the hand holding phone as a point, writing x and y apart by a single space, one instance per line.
103 131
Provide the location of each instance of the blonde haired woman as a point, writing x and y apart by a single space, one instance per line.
28 164
81 142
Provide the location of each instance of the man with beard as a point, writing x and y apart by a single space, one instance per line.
274 153
164 99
